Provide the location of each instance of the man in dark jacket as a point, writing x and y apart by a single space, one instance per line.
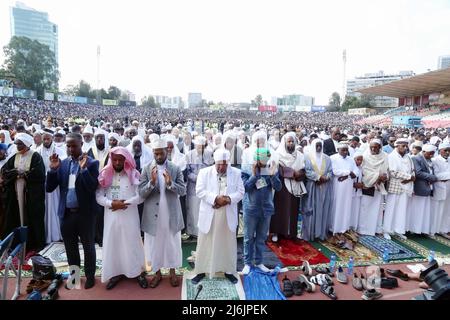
329 145
76 177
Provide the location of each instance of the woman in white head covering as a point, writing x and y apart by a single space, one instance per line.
274 141
142 154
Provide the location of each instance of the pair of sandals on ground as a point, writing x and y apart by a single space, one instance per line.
142 280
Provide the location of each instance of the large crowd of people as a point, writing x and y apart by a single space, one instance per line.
139 181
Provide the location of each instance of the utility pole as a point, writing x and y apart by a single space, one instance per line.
344 60
98 76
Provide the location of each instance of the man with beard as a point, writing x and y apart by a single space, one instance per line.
99 152
123 252
330 145
161 185
287 200
114 140
24 177
88 135
52 223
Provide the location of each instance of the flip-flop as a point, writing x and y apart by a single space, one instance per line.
328 291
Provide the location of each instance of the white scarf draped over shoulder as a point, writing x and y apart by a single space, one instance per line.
373 166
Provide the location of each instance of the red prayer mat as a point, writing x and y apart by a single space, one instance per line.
294 252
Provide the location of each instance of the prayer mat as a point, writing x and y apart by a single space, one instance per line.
270 259
56 252
396 250
361 255
424 244
294 252
217 288
259 285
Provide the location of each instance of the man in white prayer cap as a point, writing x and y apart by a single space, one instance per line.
420 220
88 135
219 188
400 190
161 185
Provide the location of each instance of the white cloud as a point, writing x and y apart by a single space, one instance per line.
232 50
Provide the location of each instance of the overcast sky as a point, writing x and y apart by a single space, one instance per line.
232 50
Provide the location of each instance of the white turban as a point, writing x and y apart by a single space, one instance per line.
435 139
342 146
444 146
25 138
115 136
159 144
429 148
88 129
199 140
222 155
62 132
401 141
378 141
101 132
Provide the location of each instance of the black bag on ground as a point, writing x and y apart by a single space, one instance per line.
43 268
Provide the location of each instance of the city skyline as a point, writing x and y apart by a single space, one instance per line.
231 51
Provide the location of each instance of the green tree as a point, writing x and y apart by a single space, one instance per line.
70 90
149 102
114 93
258 100
335 100
32 63
365 101
84 89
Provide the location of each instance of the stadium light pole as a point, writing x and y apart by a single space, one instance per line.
98 75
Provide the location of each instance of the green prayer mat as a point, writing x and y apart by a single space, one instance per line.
213 289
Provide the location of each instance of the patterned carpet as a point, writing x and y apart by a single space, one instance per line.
395 249
293 253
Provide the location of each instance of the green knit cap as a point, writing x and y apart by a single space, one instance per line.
262 154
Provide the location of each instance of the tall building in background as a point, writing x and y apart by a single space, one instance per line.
444 62
33 24
195 100
376 79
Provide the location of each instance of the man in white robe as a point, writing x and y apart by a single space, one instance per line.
357 190
88 141
375 169
343 175
52 222
400 190
220 188
440 202
123 251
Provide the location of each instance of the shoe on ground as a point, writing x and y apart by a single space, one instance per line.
371 294
113 282
310 287
387 236
246 270
298 287
274 238
90 282
198 278
231 277
401 236
357 283
306 268
288 287
142 281
263 268
341 276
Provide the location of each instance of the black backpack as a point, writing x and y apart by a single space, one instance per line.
43 268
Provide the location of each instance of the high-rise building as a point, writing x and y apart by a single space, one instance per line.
169 102
444 62
376 79
195 100
33 24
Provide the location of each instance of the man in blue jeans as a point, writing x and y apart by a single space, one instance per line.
258 207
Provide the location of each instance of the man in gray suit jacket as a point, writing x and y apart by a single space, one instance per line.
161 185
420 220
